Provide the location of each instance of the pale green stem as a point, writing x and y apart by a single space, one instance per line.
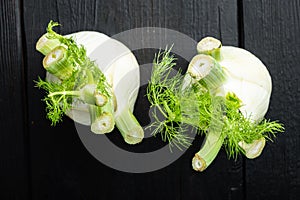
87 94
213 140
56 63
93 94
169 111
254 149
102 120
212 145
100 99
129 127
70 93
46 45
210 46
206 69
90 77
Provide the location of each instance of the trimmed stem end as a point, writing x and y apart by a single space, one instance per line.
210 46
129 127
198 163
136 136
254 149
46 45
103 124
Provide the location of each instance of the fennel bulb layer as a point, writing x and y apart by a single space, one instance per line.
249 79
121 69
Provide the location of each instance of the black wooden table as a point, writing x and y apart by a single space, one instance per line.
38 161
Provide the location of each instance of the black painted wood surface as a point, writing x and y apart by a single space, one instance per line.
14 160
38 161
272 32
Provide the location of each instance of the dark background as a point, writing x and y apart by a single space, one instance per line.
38 161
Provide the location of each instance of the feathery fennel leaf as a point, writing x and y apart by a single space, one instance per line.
192 106
59 95
178 106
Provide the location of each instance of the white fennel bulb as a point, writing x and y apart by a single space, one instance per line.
245 75
235 73
121 69
249 79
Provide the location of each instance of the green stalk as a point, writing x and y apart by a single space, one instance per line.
129 127
171 115
207 70
101 111
68 93
91 94
100 99
208 152
87 94
214 138
56 62
254 149
210 46
45 45
79 77
102 120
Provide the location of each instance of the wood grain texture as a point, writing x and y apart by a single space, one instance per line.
272 33
13 147
60 165
224 178
38 161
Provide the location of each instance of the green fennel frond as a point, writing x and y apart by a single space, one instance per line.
178 107
238 128
83 72
56 105
192 106
76 54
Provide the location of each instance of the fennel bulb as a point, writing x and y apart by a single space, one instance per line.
124 76
89 83
248 86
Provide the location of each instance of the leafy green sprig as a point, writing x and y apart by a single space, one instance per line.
178 106
60 94
56 105
238 128
192 105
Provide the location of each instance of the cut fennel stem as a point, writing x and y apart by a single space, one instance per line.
215 138
210 46
246 77
122 73
57 63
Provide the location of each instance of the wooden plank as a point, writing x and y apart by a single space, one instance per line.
61 166
223 179
13 140
272 33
